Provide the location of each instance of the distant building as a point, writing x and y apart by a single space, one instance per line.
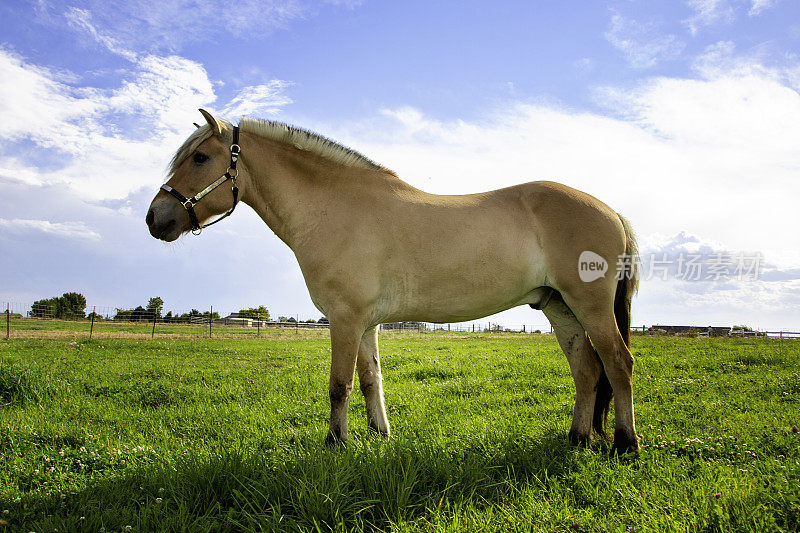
713 331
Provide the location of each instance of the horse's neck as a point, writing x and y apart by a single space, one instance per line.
292 190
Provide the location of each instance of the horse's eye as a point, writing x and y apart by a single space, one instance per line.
200 158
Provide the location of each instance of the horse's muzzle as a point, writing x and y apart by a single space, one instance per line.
162 223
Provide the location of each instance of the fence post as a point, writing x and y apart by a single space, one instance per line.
153 333
8 321
91 326
210 321
258 324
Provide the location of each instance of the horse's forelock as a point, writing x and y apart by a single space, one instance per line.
198 137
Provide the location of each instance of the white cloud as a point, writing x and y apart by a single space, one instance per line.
69 230
717 12
687 279
106 143
348 3
709 13
760 5
721 60
642 44
81 20
259 100
154 25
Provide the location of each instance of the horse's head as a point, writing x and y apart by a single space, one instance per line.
185 202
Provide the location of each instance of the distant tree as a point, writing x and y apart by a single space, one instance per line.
282 319
290 319
68 305
46 308
95 316
71 305
259 312
154 306
323 320
192 315
132 315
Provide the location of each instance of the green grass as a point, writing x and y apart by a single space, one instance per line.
226 434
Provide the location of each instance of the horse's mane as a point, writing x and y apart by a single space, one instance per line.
309 141
277 131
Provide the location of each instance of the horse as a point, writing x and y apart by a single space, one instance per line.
374 249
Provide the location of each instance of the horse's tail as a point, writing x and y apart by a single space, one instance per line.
627 286
628 282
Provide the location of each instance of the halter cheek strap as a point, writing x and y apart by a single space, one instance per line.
230 174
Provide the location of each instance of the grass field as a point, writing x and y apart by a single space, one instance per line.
126 434
27 328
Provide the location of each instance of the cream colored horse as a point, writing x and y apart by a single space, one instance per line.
374 249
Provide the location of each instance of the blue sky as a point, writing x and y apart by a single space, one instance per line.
684 116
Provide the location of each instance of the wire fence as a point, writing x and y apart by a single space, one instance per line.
53 318
22 320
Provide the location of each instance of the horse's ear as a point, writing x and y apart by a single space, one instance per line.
216 125
196 125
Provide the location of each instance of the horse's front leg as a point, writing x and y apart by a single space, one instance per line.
345 340
371 382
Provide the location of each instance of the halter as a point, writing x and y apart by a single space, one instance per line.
189 203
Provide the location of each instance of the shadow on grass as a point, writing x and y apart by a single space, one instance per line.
369 484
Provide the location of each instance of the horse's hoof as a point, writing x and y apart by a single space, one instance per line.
624 443
332 440
576 439
382 432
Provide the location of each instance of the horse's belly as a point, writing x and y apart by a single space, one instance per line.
450 296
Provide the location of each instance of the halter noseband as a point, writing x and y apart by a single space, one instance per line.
230 174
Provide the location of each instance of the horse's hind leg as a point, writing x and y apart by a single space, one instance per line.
618 365
371 382
583 362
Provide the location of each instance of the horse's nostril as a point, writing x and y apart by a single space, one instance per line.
151 216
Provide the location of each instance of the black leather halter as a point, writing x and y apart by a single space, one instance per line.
230 174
